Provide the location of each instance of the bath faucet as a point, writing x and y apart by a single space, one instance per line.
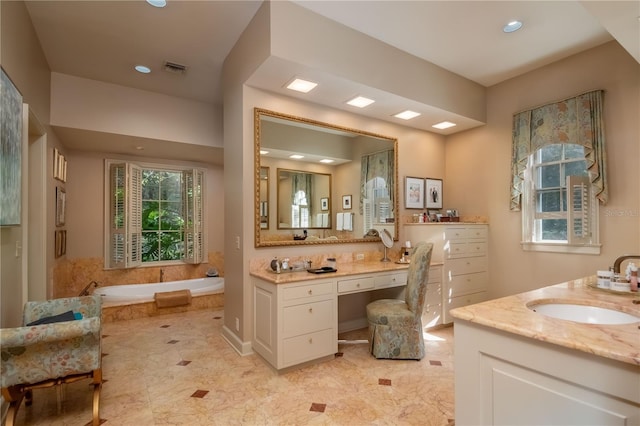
618 261
85 290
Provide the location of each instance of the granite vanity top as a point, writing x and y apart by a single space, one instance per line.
343 270
511 314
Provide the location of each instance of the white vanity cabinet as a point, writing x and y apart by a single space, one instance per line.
463 249
432 312
296 322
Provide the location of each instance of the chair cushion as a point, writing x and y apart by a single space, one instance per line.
390 312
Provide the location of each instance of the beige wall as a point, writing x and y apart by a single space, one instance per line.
478 174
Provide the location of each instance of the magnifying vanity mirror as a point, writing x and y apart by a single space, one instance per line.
317 183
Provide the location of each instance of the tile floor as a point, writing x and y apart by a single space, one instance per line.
177 370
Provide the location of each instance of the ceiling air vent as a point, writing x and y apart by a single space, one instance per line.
175 68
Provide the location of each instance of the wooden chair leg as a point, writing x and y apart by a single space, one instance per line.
13 395
97 386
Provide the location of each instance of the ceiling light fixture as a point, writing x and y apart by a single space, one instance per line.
142 69
360 102
263 152
326 160
157 3
444 125
296 156
512 26
300 85
407 115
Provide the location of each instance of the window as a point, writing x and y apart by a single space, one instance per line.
559 209
156 215
300 210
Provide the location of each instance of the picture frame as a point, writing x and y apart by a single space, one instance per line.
346 202
11 148
433 193
59 166
61 200
414 192
60 242
324 204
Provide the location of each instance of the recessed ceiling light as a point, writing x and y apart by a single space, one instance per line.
157 3
296 156
512 26
360 102
263 152
140 148
300 85
142 69
444 125
407 115
326 160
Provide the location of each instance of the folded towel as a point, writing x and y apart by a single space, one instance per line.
168 299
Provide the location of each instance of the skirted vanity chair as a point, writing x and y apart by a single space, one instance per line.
59 343
395 326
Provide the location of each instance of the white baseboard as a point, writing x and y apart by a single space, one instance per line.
355 324
243 348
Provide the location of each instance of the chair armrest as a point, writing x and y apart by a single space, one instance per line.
46 333
88 306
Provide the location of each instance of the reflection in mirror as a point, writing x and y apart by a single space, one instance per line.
352 162
303 200
264 197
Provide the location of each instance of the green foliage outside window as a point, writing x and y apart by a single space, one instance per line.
162 217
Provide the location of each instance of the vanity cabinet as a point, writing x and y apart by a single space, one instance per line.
294 323
463 249
432 312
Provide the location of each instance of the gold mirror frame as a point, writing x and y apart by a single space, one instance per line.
258 112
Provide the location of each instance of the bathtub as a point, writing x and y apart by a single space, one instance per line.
141 293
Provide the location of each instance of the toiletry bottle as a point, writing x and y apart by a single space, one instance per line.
633 281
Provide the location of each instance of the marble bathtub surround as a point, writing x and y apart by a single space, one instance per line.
512 314
70 276
178 370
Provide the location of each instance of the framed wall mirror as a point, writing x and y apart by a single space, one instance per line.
316 165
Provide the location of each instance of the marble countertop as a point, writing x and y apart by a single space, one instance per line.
511 314
343 269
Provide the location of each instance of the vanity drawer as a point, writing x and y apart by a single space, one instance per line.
435 275
307 290
355 284
308 346
466 249
468 283
466 266
477 232
301 319
455 233
391 280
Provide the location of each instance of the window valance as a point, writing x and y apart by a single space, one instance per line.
578 120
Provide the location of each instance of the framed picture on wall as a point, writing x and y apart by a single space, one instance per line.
324 204
346 202
61 200
433 193
414 193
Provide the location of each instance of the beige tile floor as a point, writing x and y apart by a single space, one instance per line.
177 370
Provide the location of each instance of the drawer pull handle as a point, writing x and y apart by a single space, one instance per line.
310 292
311 341
358 285
310 310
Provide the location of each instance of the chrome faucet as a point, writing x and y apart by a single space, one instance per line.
85 291
618 261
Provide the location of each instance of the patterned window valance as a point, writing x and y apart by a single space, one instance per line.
577 120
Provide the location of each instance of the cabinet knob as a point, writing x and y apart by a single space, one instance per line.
310 341
310 310
393 280
358 285
310 292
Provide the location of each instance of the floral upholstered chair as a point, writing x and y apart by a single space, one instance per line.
395 326
58 343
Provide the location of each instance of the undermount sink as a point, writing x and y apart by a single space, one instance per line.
583 313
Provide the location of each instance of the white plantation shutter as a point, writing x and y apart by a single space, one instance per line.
125 249
580 204
193 215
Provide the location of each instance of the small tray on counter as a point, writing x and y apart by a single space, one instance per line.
323 270
608 290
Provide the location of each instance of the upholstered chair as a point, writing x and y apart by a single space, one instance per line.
52 353
395 326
